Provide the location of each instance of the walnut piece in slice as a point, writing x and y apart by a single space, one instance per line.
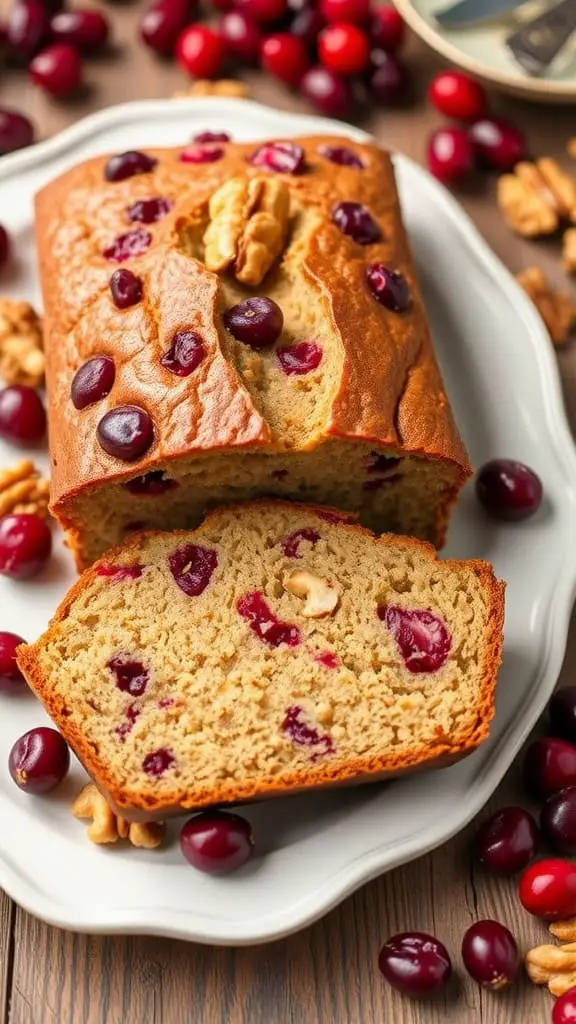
22 489
321 596
557 309
107 827
21 353
248 227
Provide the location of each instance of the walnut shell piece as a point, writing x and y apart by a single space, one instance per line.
557 309
322 597
107 827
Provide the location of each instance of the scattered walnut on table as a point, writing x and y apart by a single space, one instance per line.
107 827
537 197
222 87
571 147
23 490
569 250
564 930
557 309
554 966
21 351
248 227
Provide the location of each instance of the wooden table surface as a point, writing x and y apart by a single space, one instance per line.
326 974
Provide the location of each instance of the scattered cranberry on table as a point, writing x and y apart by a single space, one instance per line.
354 12
241 37
508 490
84 28
22 415
162 23
328 93
389 81
200 51
564 1009
262 11
415 963
28 28
387 30
547 889
549 766
11 678
450 154
16 131
57 69
558 820
507 841
490 954
39 761
284 56
562 713
344 49
455 94
497 143
25 545
217 842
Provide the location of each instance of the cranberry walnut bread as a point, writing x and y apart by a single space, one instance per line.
229 321
277 647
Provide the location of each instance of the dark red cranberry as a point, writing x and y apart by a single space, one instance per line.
508 490
192 567
242 37
126 727
201 154
86 29
131 675
126 288
216 842
22 416
265 624
558 820
450 154
262 11
126 432
285 157
388 287
28 28
336 517
95 379
497 143
355 220
549 766
328 659
307 26
291 544
115 573
4 246
11 677
257 322
341 155
162 23
25 545
209 137
354 12
152 483
303 734
158 761
564 1009
284 56
39 761
126 165
185 353
57 69
490 954
299 359
16 131
507 841
423 638
148 211
457 95
415 963
562 713
328 93
344 49
200 51
127 246
382 463
548 889
389 81
387 30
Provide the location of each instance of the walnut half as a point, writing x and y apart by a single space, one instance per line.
321 596
22 489
248 227
107 827
21 354
557 309
537 197
554 966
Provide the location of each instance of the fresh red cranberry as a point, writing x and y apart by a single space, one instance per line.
151 484
39 761
126 432
158 761
22 416
299 359
328 93
262 11
25 545
116 573
548 889
387 30
257 322
341 155
558 820
242 38
285 157
357 222
507 841
354 12
291 544
562 713
93 381
265 624
490 954
450 154
16 131
423 639
305 735
201 154
148 211
192 567
85 29
216 842
497 143
57 69
28 28
389 80
415 963
200 51
211 137
162 23
185 353
564 1009
285 57
344 49
382 463
307 26
508 490
127 246
4 246
549 766
388 287
126 165
328 659
131 676
11 677
457 95
126 288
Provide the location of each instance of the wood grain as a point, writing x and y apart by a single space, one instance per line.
328 973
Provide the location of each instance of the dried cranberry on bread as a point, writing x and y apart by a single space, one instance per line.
276 648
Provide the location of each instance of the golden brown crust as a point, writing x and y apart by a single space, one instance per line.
318 775
390 390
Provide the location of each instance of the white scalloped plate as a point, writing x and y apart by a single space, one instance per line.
311 851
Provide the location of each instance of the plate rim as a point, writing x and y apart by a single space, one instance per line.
169 922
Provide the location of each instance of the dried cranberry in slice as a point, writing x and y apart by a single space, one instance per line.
126 727
422 637
148 211
125 165
125 432
126 288
152 483
93 381
388 287
185 354
257 322
265 624
131 676
303 734
341 155
158 761
192 567
328 659
201 154
127 246
354 220
291 544
120 572
381 463
285 157
297 360
202 137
